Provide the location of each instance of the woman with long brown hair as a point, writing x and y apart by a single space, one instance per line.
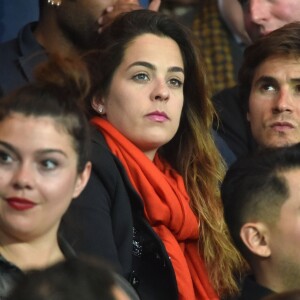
152 206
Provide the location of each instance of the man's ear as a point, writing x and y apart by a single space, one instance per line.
256 238
248 116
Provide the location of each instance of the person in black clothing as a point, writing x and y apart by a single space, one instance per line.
261 199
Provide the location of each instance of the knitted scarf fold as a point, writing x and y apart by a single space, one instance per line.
166 206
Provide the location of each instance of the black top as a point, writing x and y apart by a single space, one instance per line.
107 220
233 126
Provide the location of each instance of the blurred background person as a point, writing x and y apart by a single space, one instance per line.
232 13
262 17
66 27
219 28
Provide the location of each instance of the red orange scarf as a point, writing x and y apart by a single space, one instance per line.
167 209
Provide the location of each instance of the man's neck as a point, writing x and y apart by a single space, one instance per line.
270 279
49 35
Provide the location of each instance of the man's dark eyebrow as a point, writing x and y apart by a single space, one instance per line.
152 67
265 79
295 80
272 80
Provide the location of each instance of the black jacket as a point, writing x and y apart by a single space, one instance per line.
233 126
18 59
107 221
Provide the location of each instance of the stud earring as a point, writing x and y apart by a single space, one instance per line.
101 109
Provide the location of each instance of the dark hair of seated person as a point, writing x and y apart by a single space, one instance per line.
77 278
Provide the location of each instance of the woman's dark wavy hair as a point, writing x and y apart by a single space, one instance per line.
112 44
192 151
58 92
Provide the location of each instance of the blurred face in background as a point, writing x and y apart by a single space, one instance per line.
78 20
263 16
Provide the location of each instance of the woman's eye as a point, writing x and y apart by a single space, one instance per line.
49 164
5 158
141 77
176 82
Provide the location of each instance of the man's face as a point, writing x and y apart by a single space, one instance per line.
78 20
274 102
284 238
263 16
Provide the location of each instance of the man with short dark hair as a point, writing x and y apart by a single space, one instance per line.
261 198
261 18
265 112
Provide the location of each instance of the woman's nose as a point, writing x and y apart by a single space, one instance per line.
160 92
23 177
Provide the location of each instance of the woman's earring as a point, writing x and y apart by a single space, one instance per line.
101 109
54 2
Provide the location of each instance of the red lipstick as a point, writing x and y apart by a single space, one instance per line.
20 203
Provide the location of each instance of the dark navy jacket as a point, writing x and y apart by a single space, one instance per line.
233 126
18 59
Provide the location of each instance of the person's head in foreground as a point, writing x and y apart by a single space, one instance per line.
77 278
264 16
261 197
